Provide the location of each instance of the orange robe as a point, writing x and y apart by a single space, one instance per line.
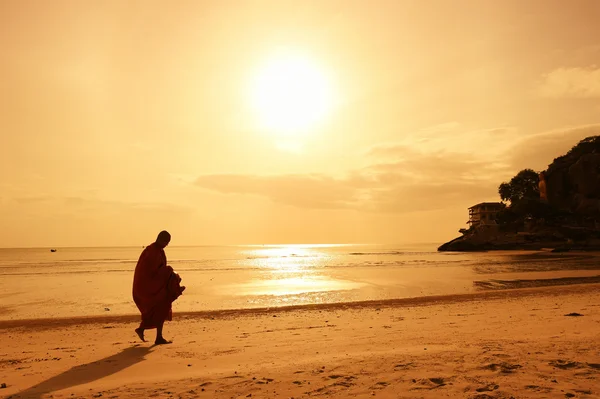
151 282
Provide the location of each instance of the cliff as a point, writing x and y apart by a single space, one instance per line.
573 180
566 216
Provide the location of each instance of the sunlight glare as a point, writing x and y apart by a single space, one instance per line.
290 94
294 286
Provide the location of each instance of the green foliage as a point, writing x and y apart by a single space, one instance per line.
523 186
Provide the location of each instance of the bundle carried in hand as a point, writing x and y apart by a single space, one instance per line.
174 287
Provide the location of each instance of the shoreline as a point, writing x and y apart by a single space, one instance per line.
484 295
92 284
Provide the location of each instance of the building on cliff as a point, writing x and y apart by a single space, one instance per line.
484 213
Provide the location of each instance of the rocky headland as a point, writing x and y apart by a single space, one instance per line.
560 210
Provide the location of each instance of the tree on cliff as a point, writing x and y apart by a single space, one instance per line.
562 164
573 180
589 145
525 185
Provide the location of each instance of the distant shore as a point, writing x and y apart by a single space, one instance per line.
484 240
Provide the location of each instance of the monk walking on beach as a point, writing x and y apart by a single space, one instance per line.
155 287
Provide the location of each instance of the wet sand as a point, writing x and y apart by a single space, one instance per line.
72 288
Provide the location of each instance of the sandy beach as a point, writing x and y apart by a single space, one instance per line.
527 343
299 199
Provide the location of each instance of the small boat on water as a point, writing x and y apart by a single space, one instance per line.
53 250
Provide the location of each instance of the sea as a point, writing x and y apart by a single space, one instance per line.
73 282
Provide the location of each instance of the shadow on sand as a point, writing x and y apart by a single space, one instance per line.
86 373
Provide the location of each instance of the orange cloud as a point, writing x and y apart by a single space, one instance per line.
310 191
401 178
539 150
572 83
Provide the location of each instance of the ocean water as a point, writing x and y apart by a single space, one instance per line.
38 283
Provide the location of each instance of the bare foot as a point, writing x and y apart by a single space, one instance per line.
140 333
161 341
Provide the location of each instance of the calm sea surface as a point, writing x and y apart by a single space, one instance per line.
97 281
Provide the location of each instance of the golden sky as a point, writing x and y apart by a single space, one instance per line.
123 118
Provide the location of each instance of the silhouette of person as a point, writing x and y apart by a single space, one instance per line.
155 287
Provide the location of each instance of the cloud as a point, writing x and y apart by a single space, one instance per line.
571 83
398 179
456 167
450 138
404 177
91 207
539 150
431 196
311 191
434 165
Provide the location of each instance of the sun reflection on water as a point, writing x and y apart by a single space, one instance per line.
287 258
294 286
291 270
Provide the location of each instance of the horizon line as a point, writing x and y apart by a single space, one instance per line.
223 245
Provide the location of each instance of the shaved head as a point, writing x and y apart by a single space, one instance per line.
163 238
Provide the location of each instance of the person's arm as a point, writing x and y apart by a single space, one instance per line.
163 271
155 269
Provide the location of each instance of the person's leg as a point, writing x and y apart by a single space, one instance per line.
140 332
159 329
159 337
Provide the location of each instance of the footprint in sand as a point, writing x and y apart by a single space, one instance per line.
346 384
501 355
488 388
495 395
505 368
380 385
342 382
429 383
264 381
538 388
403 366
565 364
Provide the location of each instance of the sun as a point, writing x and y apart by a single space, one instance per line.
290 95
